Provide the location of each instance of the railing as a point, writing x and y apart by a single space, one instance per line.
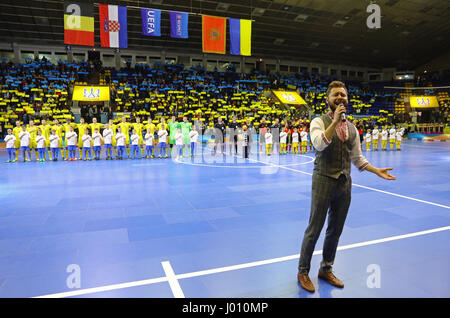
430 128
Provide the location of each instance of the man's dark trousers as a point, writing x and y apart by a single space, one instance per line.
328 195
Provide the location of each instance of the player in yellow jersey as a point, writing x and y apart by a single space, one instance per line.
32 129
16 132
46 131
150 125
67 126
95 125
82 128
138 126
126 131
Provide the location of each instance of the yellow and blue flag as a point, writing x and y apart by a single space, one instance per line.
240 37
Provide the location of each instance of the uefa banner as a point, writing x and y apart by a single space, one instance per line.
179 25
151 22
91 93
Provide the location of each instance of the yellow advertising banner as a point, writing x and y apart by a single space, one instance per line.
91 93
423 101
289 97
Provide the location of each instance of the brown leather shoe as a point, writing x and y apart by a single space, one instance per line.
305 282
331 279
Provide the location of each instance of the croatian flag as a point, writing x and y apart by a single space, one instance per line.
113 26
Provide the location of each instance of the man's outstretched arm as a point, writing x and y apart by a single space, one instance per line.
381 172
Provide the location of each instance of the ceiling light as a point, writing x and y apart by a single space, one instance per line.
258 12
301 18
339 23
278 41
222 6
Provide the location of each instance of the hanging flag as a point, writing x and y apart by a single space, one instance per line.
113 26
151 22
213 34
78 23
179 25
240 37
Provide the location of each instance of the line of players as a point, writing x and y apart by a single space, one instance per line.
62 139
299 137
374 136
58 138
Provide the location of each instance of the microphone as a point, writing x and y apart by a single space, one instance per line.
343 115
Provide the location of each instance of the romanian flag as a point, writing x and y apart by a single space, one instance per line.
113 26
240 37
213 34
78 23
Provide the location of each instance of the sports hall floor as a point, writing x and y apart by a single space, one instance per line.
161 228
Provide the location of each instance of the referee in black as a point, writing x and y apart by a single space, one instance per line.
219 134
233 133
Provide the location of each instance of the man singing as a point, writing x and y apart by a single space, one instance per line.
337 143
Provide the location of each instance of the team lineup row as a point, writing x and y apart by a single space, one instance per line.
374 136
63 138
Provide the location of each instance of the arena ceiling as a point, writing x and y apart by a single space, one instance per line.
412 31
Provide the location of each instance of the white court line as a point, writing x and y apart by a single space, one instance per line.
92 290
360 186
170 276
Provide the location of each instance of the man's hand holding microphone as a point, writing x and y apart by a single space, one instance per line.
339 115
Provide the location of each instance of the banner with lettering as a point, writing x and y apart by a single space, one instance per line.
151 22
423 101
179 25
91 93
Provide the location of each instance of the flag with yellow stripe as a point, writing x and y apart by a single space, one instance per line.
78 23
240 37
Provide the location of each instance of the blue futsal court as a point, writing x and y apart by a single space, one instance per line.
205 228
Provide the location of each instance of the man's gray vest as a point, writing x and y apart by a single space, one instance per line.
334 160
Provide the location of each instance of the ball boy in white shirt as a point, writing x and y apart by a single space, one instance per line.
108 140
25 139
193 136
54 145
97 143
10 141
162 136
179 143
87 140
134 143
40 145
149 143
269 140
120 139
71 140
